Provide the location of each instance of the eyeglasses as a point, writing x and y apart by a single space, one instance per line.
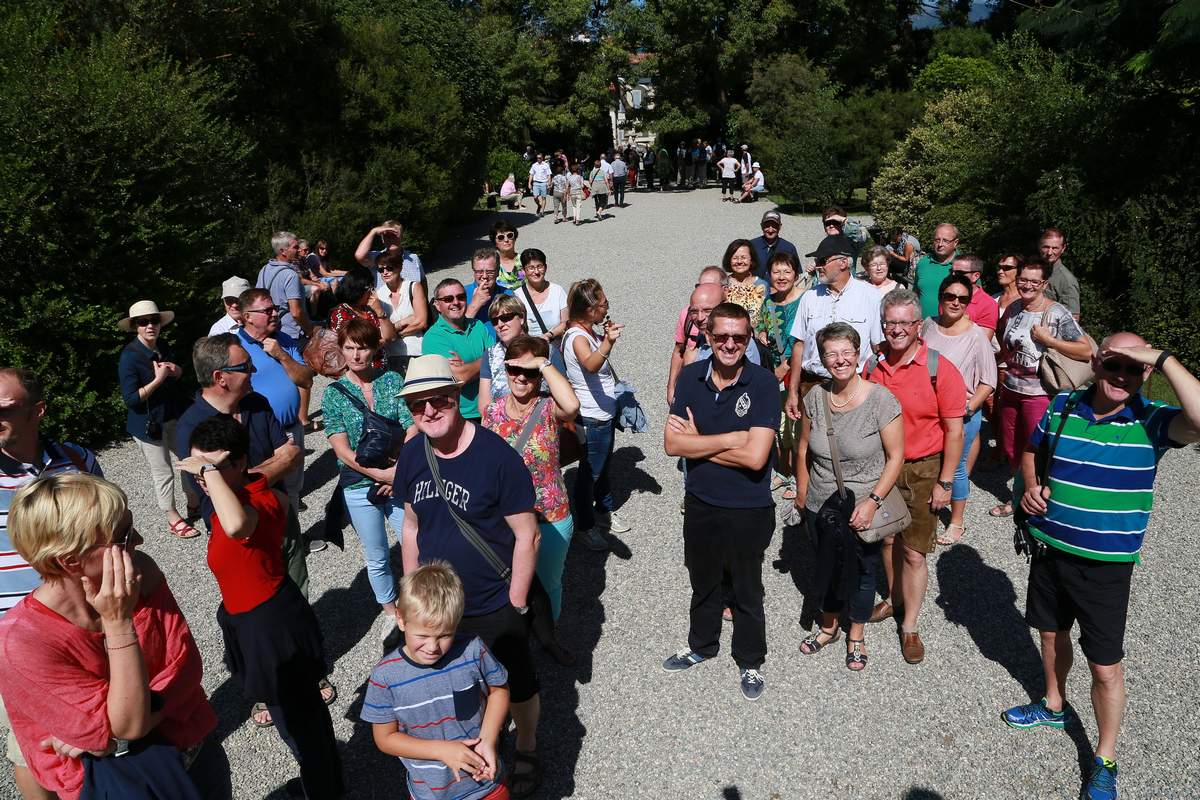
736 338
898 323
269 310
1115 365
246 367
940 240
461 297
142 322
835 356
527 374
440 402
951 297
505 237
505 318
534 266
1032 284
484 273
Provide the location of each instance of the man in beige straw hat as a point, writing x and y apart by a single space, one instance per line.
456 475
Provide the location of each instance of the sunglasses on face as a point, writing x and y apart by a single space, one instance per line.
439 402
736 338
1007 267
388 268
461 297
246 367
504 318
505 237
484 273
142 322
269 310
821 262
121 538
1117 365
527 374
951 297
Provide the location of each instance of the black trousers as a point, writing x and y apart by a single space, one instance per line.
303 722
619 190
729 186
717 541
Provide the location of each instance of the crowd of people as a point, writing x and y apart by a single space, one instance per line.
453 412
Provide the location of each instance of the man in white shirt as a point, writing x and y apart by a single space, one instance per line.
391 235
729 169
539 181
232 320
837 298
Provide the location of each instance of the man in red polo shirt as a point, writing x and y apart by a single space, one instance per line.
982 310
933 410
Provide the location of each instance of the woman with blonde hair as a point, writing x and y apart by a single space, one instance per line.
79 654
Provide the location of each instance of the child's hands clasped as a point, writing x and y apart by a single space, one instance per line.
487 750
460 756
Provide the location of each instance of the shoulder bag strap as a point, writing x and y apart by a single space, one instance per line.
469 533
1043 472
536 314
531 423
834 452
354 401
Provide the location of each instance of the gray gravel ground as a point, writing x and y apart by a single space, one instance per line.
618 726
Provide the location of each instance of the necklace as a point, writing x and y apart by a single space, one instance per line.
518 410
848 400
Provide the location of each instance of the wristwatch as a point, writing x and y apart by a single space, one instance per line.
877 499
947 485
207 468
522 610
545 363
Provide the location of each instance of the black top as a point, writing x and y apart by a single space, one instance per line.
136 369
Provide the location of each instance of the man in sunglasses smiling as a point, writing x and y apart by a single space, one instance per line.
723 421
1090 519
461 339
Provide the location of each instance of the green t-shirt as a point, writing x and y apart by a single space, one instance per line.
471 344
930 274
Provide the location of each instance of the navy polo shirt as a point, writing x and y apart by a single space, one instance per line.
752 401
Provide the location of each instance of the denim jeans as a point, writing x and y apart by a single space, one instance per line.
962 483
862 602
368 521
552 557
592 490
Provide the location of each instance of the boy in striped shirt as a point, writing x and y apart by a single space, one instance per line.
439 702
1091 516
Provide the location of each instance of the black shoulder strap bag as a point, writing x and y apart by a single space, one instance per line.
533 306
539 616
381 438
1023 540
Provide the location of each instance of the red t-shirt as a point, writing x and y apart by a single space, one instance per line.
54 679
982 310
249 571
921 409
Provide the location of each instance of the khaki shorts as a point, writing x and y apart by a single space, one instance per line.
916 482
12 750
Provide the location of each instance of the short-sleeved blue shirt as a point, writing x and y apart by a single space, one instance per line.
752 401
486 482
482 314
282 280
271 379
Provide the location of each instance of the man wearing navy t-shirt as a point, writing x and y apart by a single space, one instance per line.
723 421
490 488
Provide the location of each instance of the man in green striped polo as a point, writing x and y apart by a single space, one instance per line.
1091 517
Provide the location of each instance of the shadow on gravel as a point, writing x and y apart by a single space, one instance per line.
475 234
319 473
796 560
982 599
921 793
628 477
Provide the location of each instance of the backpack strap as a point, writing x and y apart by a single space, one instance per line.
931 363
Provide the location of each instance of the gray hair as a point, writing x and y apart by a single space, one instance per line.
874 253
957 233
302 244
713 268
280 240
484 254
899 297
974 263
210 353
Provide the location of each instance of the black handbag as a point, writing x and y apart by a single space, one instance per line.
381 438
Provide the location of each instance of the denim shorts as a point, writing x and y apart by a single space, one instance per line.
539 189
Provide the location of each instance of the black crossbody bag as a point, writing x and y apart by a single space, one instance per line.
1024 542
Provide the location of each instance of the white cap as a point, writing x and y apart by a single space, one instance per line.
234 286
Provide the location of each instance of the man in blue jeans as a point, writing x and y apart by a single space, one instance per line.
723 421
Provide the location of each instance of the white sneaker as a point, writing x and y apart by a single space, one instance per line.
593 540
612 522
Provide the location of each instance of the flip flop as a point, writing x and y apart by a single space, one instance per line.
1002 510
946 539
181 529
261 708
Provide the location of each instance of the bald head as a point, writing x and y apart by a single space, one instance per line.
1122 339
705 298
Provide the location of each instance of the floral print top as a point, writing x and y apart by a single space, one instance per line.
541 456
749 296
776 322
342 417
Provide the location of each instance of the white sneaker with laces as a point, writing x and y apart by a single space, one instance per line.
612 522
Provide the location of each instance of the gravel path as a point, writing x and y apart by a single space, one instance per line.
618 726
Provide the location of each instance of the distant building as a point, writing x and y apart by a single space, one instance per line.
628 99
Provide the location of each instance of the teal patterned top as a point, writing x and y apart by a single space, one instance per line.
776 321
342 417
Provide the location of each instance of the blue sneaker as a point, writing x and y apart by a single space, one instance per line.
1034 714
682 660
1103 783
752 684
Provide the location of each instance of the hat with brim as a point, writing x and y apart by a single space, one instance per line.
144 308
837 245
233 287
755 165
427 374
772 216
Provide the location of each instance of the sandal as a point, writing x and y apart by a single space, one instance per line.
313 425
1002 510
883 610
181 529
856 659
779 482
947 538
324 685
812 644
260 715
530 779
790 492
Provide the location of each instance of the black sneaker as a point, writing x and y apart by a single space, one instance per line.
752 684
682 660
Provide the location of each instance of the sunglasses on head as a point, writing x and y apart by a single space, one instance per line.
1115 365
505 318
438 401
461 297
142 322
